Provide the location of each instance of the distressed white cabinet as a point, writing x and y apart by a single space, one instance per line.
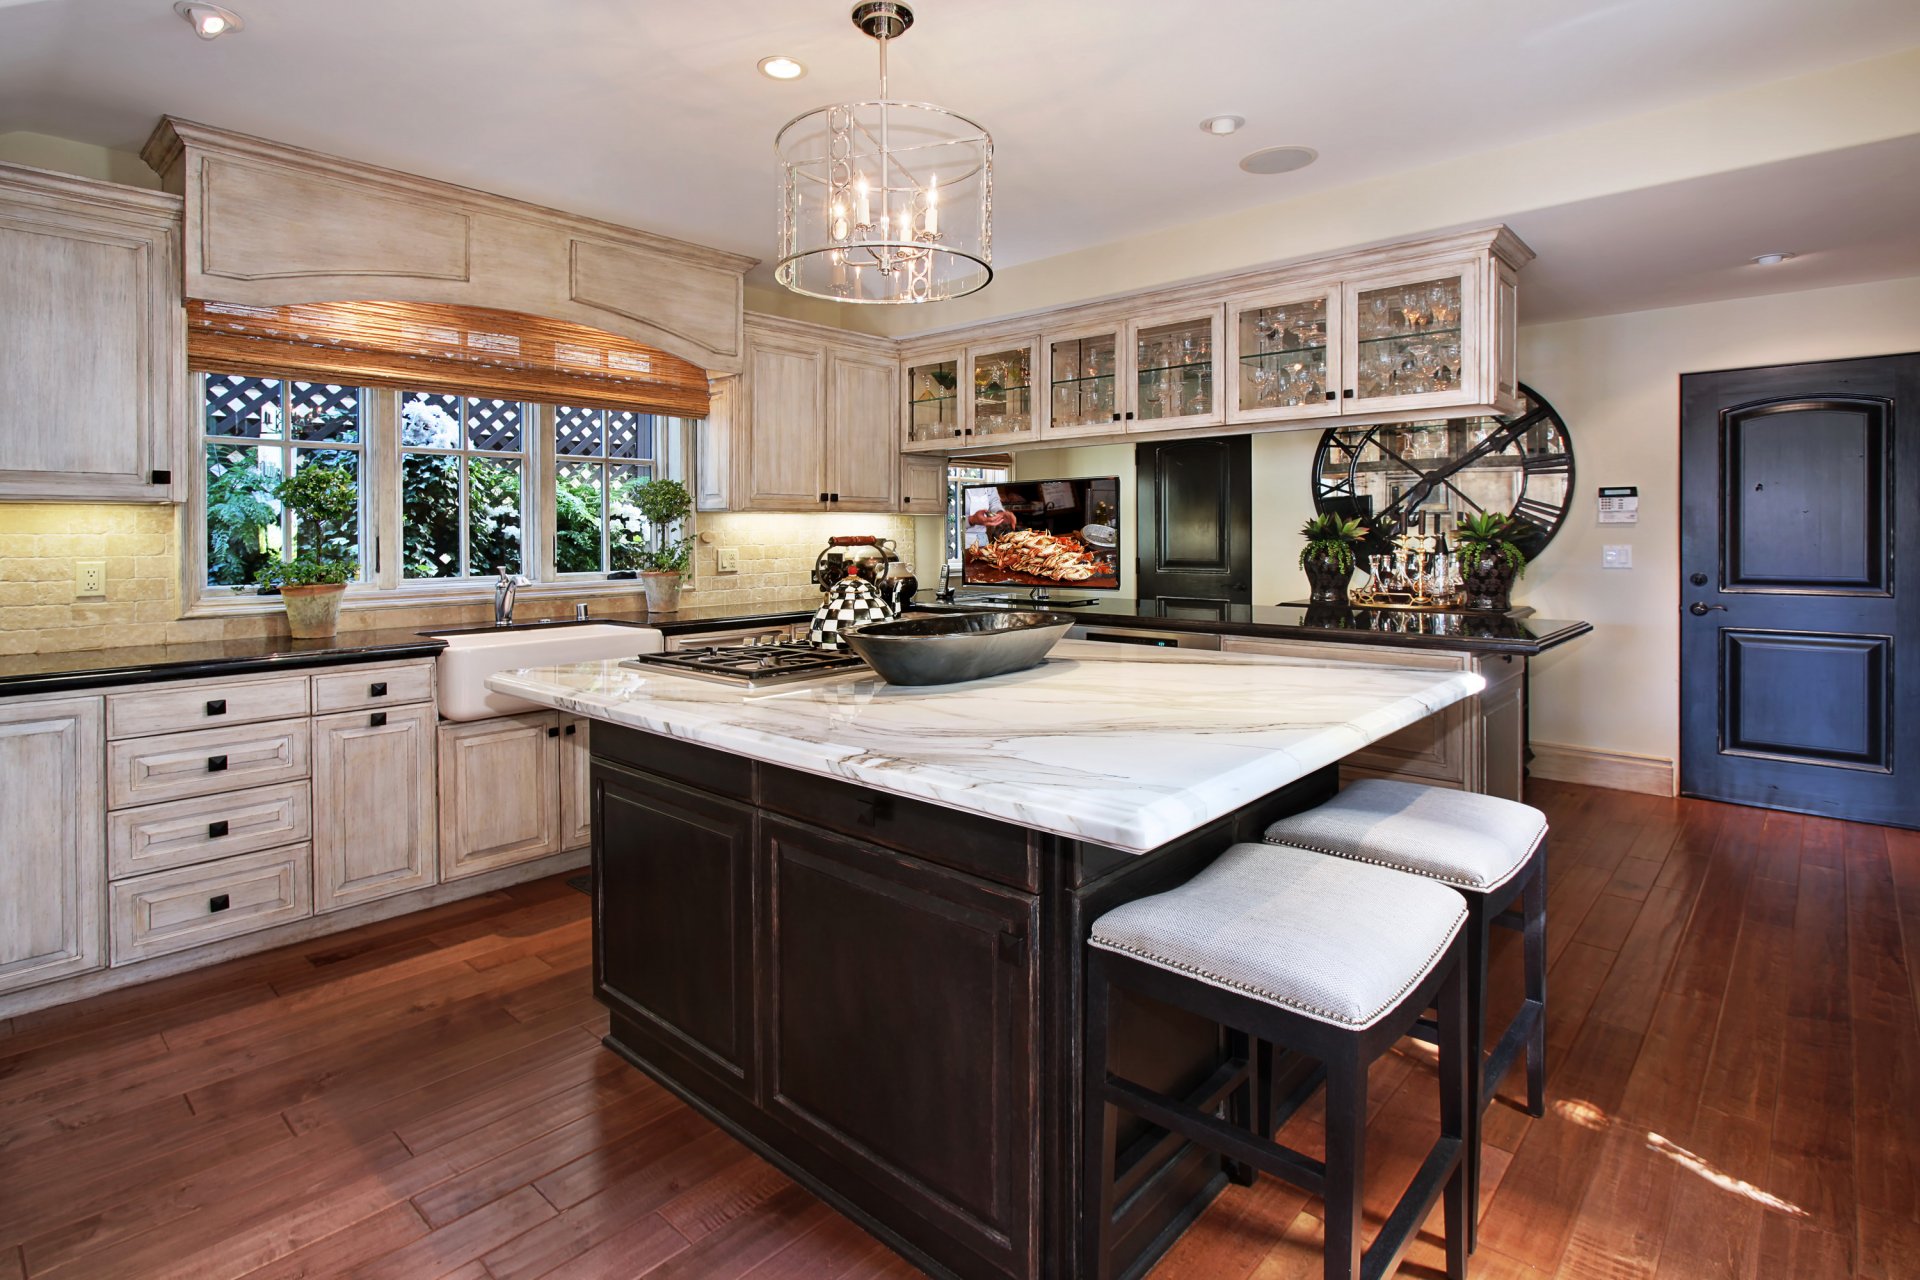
923 485
576 783
499 792
375 823
782 433
92 357
53 860
863 447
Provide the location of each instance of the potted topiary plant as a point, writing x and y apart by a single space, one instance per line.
325 503
664 556
1490 559
1328 555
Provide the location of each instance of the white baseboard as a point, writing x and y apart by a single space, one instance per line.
1616 770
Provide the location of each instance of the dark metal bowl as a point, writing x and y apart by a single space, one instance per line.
949 648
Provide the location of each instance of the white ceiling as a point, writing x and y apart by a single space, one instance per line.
653 115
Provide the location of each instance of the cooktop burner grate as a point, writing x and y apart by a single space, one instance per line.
751 666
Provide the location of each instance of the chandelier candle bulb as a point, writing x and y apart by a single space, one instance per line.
933 209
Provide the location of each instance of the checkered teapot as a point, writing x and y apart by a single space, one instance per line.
851 602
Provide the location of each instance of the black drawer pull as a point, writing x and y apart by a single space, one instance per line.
823 497
571 728
216 764
1347 393
216 706
1332 396
553 733
218 902
216 829
378 719
378 690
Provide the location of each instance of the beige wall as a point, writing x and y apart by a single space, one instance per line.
82 159
777 552
1615 379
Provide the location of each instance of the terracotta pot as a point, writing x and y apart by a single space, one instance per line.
313 613
1326 580
663 591
1488 578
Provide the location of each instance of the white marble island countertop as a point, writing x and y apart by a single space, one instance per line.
1130 749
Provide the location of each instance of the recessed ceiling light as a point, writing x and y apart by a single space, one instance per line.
209 21
1771 259
1278 159
781 67
1221 126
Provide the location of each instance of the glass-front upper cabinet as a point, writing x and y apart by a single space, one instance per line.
1003 377
1412 341
1283 356
933 417
1083 382
1175 360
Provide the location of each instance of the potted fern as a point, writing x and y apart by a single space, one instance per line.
325 502
1328 556
664 555
1490 559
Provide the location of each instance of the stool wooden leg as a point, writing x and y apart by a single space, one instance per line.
1346 1163
1474 979
1100 1124
1535 947
1459 1118
1243 1103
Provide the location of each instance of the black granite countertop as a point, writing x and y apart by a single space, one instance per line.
1515 633
139 664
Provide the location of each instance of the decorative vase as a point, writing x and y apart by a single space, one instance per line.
313 612
1326 580
1488 578
663 590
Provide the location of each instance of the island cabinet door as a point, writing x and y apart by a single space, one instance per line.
900 1039
674 937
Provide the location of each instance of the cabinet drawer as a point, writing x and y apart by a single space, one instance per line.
361 687
206 762
151 711
192 906
158 837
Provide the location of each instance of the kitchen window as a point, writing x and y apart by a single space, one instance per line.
452 487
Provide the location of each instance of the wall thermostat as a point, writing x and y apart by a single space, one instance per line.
1620 504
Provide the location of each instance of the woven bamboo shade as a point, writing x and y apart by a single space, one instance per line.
450 349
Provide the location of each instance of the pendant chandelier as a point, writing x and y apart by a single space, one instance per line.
884 201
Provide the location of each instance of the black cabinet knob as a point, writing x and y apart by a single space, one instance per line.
216 764
377 719
216 706
571 728
836 497
1332 396
823 497
553 733
218 902
1116 417
904 500
1348 393
1129 415
377 690
216 829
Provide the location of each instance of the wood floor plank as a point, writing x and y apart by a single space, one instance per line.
745 1242
1889 1247
462 1241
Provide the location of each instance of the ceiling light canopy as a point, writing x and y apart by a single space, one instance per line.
1221 126
1772 259
781 67
209 21
885 201
1270 160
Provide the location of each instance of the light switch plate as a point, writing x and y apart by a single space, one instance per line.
89 578
728 559
1616 556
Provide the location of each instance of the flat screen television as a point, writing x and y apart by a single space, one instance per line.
1042 534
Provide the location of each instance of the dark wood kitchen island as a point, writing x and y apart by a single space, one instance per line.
846 919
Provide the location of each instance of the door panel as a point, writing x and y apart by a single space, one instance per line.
1798 510
1196 522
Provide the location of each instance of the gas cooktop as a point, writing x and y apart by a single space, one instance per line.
751 666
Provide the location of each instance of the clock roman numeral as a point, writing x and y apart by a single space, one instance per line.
1543 516
1546 464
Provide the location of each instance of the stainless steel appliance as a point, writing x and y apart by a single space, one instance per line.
750 666
869 556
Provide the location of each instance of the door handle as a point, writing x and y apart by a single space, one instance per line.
1700 609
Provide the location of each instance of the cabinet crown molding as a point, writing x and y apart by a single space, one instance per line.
110 199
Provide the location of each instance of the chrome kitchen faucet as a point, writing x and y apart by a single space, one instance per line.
503 592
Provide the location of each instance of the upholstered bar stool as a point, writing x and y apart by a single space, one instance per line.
1325 957
1494 852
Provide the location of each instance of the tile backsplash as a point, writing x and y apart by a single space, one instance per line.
40 544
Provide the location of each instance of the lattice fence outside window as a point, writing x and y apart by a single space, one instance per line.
463 469
599 456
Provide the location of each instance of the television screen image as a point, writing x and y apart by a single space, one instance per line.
1042 533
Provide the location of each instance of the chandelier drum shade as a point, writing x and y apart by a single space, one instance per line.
885 201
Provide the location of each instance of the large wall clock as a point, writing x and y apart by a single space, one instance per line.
1400 474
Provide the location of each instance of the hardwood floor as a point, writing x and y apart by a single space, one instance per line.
1734 1081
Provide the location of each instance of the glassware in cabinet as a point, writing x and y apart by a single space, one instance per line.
1083 383
1174 361
1283 358
1414 341
1002 380
933 402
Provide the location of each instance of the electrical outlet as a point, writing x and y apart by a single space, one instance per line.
1616 556
729 559
89 578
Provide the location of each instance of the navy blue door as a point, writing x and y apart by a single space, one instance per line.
1800 588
